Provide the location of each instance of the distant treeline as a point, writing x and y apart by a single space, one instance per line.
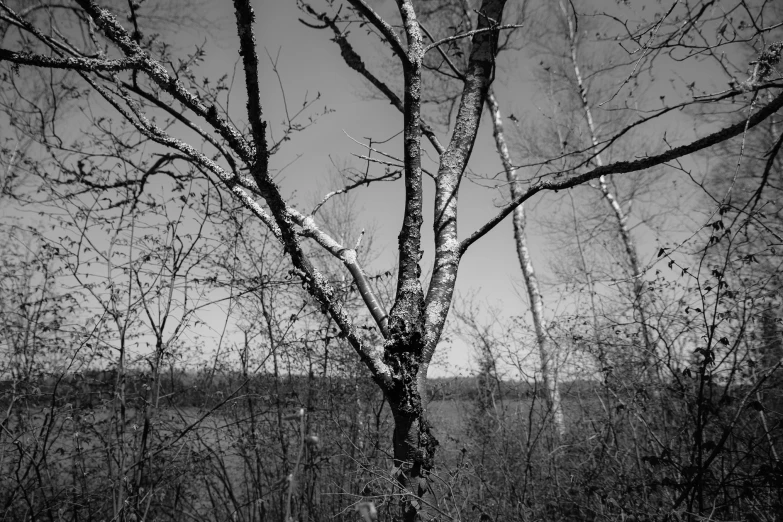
185 388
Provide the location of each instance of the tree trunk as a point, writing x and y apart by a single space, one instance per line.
621 218
548 361
413 443
414 455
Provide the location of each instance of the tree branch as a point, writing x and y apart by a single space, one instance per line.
247 50
406 314
468 35
355 62
623 167
771 157
282 223
73 64
478 77
349 259
117 34
386 30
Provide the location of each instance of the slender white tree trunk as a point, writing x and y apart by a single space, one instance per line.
621 218
545 349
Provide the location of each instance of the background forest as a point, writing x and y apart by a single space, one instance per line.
194 292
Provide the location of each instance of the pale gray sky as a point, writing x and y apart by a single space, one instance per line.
309 62
310 65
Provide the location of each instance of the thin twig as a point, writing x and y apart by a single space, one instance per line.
469 34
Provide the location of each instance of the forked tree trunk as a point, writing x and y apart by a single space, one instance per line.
415 322
546 353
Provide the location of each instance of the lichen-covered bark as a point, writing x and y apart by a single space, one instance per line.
405 319
246 17
113 30
349 259
452 166
547 358
404 344
415 326
413 442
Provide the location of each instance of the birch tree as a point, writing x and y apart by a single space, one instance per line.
615 205
547 357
